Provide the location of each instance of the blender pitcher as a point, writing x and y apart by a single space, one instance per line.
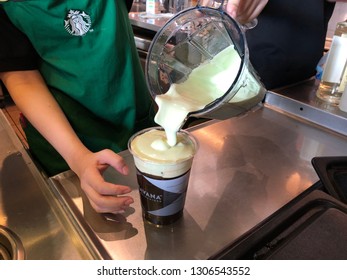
202 53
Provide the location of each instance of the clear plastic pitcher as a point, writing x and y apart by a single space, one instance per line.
203 52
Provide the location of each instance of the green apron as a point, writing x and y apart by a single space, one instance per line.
91 65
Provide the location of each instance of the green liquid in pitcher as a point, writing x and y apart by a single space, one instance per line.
205 84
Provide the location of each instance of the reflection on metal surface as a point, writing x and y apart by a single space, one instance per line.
213 138
30 216
294 182
11 247
153 24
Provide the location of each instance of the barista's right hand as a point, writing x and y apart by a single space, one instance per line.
244 11
104 197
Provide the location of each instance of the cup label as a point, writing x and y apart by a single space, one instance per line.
163 197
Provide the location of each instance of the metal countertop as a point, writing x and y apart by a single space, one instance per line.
32 223
246 168
138 17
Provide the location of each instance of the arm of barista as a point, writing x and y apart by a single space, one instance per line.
30 93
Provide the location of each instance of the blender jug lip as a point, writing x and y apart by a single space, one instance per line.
244 53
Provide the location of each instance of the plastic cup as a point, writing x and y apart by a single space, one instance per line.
162 182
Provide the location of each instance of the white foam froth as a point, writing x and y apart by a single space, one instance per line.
153 155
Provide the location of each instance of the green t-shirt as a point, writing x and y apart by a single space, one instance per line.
91 65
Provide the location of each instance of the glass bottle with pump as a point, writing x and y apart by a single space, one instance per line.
334 76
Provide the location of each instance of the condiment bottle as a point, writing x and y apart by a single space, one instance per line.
152 7
334 76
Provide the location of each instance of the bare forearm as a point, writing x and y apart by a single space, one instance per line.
31 95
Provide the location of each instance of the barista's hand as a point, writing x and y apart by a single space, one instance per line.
43 111
244 11
104 197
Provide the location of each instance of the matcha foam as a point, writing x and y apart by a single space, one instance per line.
153 155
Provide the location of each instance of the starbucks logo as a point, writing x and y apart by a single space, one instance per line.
77 22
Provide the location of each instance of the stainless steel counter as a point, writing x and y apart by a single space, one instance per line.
142 20
301 101
32 224
246 169
138 17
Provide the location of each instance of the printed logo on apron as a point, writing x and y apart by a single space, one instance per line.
77 22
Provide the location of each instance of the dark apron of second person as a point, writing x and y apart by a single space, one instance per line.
289 39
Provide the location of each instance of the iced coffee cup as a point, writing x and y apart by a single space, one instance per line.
162 173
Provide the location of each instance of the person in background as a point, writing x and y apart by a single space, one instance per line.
244 11
288 40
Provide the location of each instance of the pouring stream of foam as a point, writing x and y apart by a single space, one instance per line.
205 84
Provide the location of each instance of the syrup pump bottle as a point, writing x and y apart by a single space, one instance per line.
334 78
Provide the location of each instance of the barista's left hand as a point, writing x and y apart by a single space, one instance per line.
244 11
